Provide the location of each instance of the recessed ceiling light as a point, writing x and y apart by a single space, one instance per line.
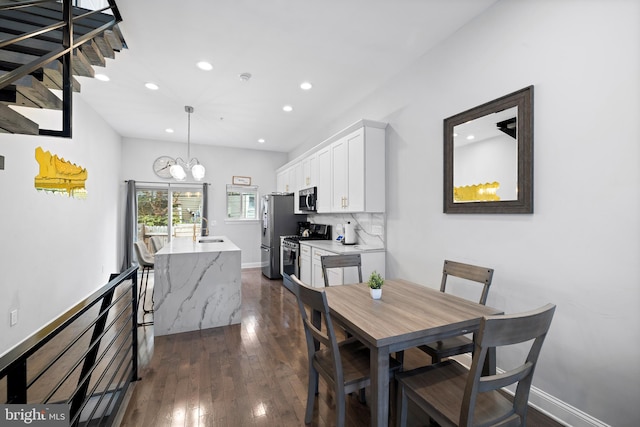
305 85
168 130
287 108
151 86
102 77
204 65
470 137
261 140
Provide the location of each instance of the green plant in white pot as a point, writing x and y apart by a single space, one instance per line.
375 284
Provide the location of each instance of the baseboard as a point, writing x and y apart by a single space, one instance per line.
549 405
251 265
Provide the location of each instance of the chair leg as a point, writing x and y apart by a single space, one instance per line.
142 296
341 405
146 288
311 393
393 400
401 418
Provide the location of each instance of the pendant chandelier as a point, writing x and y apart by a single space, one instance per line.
179 168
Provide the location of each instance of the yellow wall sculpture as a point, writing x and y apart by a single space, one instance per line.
60 176
477 193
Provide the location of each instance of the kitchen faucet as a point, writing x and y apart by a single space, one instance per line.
206 229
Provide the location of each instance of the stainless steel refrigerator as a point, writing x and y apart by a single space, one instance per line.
278 220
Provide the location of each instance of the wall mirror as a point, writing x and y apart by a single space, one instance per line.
488 157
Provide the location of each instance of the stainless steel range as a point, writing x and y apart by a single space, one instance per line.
291 248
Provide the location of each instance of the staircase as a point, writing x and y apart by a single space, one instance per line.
43 45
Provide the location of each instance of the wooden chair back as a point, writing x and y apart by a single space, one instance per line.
498 331
340 261
316 301
470 272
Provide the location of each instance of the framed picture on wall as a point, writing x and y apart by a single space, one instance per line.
241 180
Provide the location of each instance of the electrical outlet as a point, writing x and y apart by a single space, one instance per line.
14 317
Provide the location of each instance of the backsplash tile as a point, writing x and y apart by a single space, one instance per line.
366 225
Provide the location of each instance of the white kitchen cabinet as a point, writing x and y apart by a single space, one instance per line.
317 278
295 175
323 202
309 175
305 263
370 261
287 178
358 172
283 180
348 169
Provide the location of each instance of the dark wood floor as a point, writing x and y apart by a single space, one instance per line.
252 374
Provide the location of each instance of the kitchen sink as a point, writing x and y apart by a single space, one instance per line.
211 240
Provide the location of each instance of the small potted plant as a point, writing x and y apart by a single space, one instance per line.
375 285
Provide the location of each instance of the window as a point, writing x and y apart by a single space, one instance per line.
168 212
242 202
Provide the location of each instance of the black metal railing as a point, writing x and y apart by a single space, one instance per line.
86 358
67 39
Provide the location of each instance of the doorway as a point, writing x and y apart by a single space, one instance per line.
168 212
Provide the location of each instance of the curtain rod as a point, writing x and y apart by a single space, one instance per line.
191 184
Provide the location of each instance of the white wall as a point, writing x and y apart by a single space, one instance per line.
56 250
221 163
581 247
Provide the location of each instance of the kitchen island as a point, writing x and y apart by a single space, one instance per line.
197 285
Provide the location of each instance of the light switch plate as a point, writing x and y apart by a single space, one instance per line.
14 317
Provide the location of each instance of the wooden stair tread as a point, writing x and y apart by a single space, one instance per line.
10 60
30 92
14 122
91 50
104 46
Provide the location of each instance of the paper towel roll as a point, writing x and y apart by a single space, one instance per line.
349 234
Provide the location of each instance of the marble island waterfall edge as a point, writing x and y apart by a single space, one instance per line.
196 286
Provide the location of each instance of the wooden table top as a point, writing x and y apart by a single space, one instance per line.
406 313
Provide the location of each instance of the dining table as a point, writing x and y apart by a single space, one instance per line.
407 315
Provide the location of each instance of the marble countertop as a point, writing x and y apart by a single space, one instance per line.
185 245
339 248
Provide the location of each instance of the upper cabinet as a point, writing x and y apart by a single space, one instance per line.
348 169
309 171
358 178
283 181
323 201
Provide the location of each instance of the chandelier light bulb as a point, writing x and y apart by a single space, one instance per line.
177 172
198 172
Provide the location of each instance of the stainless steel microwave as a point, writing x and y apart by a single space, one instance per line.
307 198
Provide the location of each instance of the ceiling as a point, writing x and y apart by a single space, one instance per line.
346 49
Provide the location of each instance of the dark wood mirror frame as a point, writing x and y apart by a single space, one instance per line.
523 99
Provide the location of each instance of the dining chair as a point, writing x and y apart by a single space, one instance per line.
146 261
156 243
343 364
459 344
340 261
453 395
